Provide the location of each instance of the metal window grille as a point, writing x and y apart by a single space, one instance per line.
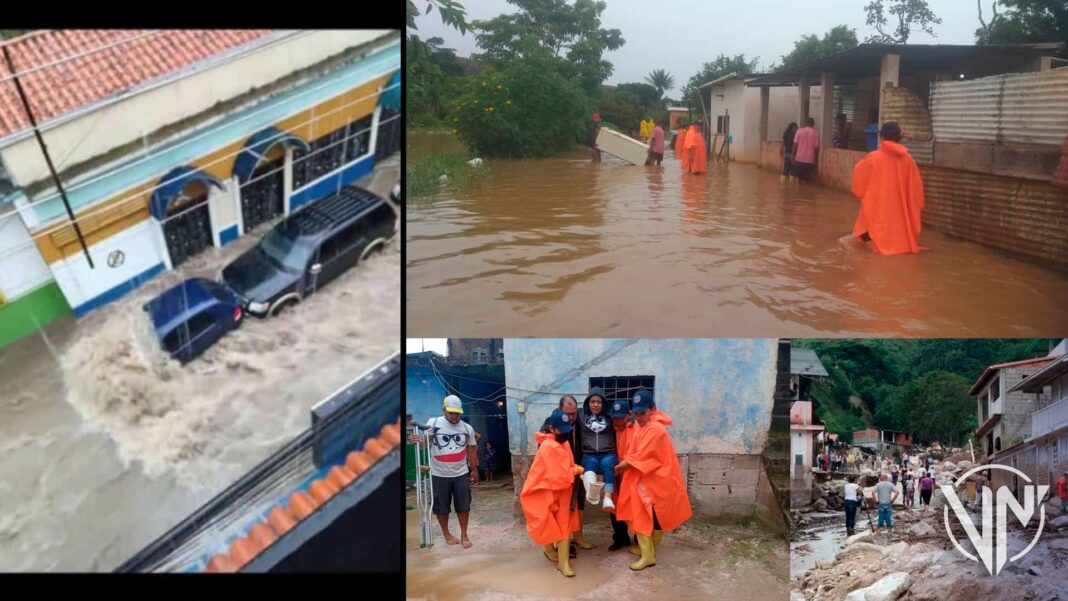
622 388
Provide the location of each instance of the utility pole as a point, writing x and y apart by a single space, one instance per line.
44 151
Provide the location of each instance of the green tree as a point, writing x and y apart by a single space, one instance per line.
661 80
452 13
810 47
718 67
1023 21
648 96
938 407
905 17
527 109
572 33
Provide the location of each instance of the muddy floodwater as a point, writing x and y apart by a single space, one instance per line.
105 443
564 247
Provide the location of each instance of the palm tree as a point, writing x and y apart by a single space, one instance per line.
661 80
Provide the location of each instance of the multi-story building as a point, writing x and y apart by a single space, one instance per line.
170 142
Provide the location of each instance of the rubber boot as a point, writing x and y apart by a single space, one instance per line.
657 535
563 562
550 552
581 540
782 179
648 558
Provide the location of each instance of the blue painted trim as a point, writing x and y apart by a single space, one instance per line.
118 291
332 183
230 130
228 235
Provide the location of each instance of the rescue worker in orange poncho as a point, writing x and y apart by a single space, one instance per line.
696 160
679 143
653 498
620 413
546 494
890 190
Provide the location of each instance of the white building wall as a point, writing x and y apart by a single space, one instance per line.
80 283
22 270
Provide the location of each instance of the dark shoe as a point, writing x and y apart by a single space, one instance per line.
572 551
617 545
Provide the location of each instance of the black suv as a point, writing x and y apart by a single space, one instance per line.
309 248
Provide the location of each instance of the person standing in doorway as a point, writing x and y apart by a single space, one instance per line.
806 150
787 152
656 144
884 496
453 465
592 129
888 184
489 460
851 498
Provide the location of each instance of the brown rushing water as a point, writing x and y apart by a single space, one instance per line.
564 247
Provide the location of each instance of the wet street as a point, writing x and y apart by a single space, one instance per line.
563 247
736 561
105 443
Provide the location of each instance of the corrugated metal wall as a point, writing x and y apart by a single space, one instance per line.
1026 108
1024 218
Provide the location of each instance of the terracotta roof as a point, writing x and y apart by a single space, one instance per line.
989 371
63 88
301 504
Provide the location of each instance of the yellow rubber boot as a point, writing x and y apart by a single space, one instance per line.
636 550
782 179
550 552
648 553
581 540
563 562
657 535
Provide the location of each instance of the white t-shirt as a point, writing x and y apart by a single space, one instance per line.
448 447
850 491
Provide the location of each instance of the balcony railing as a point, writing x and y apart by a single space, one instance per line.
1049 418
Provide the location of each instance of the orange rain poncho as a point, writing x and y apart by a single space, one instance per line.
680 143
622 442
546 494
890 190
655 480
696 157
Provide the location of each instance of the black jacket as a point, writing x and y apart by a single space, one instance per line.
598 436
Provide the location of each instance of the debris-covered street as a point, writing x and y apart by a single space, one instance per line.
106 442
695 562
916 561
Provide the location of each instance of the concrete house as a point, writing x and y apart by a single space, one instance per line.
171 142
1046 449
734 111
805 427
1003 410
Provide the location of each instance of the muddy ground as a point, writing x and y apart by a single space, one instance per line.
105 443
696 562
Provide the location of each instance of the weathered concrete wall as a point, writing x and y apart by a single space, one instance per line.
719 393
836 167
1024 161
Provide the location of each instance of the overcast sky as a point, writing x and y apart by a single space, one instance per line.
418 345
680 35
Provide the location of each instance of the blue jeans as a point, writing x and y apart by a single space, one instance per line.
851 513
1064 504
885 518
604 464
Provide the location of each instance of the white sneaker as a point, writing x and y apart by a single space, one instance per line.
608 504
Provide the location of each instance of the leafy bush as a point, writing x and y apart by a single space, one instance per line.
525 110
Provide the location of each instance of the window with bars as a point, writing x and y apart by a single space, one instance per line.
331 151
622 388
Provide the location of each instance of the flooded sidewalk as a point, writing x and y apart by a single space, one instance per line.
564 247
697 561
105 443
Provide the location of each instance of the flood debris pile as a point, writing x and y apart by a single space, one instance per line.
915 560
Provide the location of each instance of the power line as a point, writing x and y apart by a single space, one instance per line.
45 230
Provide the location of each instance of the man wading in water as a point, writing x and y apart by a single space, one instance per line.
890 190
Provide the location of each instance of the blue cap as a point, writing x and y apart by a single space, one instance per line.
620 409
561 421
642 401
